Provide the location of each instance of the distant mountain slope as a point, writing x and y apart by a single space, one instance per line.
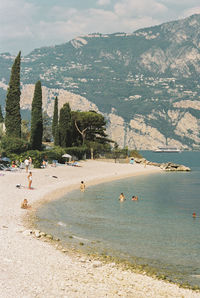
146 83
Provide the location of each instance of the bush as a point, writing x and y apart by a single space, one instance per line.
78 152
57 152
13 145
50 155
37 157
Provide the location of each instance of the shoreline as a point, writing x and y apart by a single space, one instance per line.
63 274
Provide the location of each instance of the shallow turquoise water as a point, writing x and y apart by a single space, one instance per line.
158 230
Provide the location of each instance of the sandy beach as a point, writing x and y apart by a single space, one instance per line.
31 267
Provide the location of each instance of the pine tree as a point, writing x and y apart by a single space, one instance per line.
1 115
13 116
36 118
55 117
65 126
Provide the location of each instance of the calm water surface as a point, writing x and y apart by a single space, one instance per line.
158 230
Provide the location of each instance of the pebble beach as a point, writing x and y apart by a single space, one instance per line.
35 267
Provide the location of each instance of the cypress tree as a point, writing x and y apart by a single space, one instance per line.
13 116
36 118
55 117
56 137
65 126
1 115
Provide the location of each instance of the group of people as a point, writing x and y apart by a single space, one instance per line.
122 198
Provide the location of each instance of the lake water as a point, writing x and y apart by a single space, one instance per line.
158 230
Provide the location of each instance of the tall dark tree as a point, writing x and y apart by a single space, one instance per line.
36 118
56 137
47 125
1 115
13 116
55 117
65 126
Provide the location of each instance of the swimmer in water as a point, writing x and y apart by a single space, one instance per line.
122 197
194 215
82 186
134 198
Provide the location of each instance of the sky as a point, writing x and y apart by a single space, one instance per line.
29 24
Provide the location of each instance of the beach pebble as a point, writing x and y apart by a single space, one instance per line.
49 236
37 233
96 264
27 232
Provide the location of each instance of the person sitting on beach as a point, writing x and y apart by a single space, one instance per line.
53 163
134 198
122 197
82 186
13 165
24 204
43 164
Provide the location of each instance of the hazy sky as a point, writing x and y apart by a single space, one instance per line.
29 24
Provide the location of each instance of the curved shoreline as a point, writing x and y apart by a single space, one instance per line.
63 274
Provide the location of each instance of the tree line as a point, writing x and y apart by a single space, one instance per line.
69 128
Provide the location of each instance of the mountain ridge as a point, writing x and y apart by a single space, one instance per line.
146 83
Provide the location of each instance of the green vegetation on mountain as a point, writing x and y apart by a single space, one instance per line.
142 75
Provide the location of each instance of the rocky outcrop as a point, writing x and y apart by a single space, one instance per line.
76 102
169 166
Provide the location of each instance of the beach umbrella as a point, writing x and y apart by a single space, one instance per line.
67 156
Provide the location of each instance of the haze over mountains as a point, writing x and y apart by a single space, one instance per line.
146 83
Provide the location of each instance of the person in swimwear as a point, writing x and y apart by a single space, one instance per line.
122 197
29 180
134 198
82 186
24 204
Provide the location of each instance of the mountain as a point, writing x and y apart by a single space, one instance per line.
146 83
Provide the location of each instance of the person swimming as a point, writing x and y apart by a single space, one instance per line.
122 197
134 198
194 215
82 186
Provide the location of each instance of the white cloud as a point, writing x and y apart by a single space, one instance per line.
103 2
139 8
25 24
191 11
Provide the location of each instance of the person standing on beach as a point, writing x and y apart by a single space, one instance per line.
30 161
29 180
26 162
82 186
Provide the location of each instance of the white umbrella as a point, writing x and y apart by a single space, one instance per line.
66 155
